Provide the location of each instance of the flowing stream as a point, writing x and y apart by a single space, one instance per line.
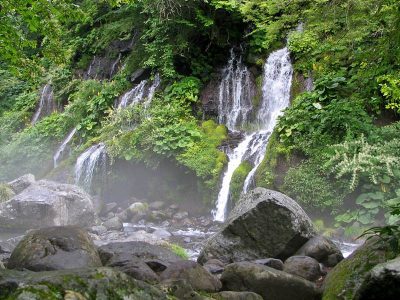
234 112
46 104
61 150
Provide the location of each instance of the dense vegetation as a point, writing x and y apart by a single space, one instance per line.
336 149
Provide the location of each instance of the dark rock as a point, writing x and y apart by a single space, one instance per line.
55 248
274 263
21 183
323 250
137 259
346 278
113 224
303 266
214 266
229 295
264 223
271 284
198 277
382 282
45 204
77 284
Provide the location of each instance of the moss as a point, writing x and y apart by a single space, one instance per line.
178 250
347 276
238 178
6 193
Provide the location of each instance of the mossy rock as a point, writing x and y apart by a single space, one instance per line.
238 178
100 283
346 278
6 193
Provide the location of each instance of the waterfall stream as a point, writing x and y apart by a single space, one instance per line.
46 104
90 163
61 150
277 79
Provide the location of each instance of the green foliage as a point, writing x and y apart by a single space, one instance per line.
390 88
5 192
309 186
178 250
238 178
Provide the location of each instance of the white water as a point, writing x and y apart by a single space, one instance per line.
115 64
235 94
277 81
60 151
46 104
91 162
144 90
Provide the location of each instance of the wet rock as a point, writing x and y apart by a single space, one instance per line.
194 274
99 283
271 284
274 263
100 229
214 266
21 183
137 259
113 224
181 215
138 207
382 282
323 250
157 205
264 223
229 295
303 266
45 204
55 248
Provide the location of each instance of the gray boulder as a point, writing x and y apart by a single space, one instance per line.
194 274
264 223
77 284
271 284
21 183
303 266
140 260
55 248
382 282
45 204
323 250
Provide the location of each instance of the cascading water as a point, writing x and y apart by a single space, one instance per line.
114 65
90 163
46 104
235 94
140 92
61 150
277 80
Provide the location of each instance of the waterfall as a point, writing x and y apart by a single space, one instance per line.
114 65
235 94
90 163
277 79
143 90
60 151
46 104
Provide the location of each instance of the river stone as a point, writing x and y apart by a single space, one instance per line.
303 266
271 284
137 208
21 183
382 282
78 284
323 250
229 295
140 260
264 223
55 248
214 266
194 274
113 224
270 262
45 204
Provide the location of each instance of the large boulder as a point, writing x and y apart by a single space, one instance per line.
55 248
140 260
78 284
263 224
303 266
346 278
382 282
21 183
270 283
45 204
194 274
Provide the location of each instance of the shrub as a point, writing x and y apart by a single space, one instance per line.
6 193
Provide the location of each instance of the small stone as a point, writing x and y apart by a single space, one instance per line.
187 239
110 215
100 229
162 233
138 207
229 295
277 264
181 215
123 216
113 224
